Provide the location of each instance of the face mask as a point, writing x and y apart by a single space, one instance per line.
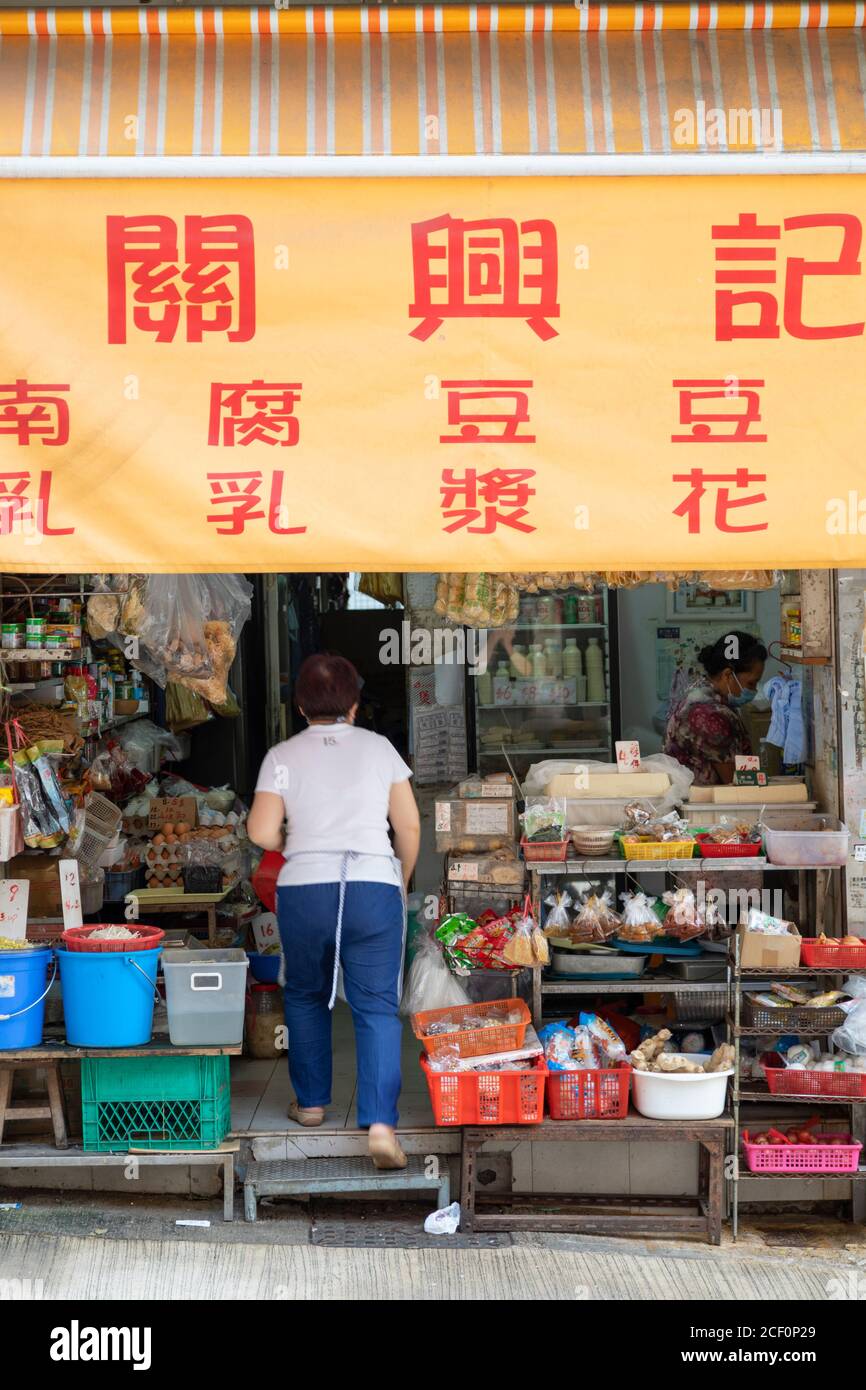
745 697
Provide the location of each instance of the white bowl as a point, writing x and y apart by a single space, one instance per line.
664 1095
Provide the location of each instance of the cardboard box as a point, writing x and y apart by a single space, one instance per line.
172 808
43 874
759 950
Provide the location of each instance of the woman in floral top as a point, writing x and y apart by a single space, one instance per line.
705 732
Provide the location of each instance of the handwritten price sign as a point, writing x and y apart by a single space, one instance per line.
70 893
14 896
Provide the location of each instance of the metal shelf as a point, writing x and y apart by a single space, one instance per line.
13 654
764 972
563 748
672 866
642 984
551 705
742 1032
765 1095
859 1176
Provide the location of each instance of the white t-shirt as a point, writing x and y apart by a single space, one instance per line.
335 781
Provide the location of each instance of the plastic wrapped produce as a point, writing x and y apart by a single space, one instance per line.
430 984
596 920
639 921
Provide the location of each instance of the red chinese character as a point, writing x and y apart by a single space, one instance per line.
766 324
31 412
254 411
702 421
238 494
697 479
495 489
470 421
797 270
18 512
212 246
483 270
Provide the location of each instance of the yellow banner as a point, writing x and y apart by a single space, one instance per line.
424 374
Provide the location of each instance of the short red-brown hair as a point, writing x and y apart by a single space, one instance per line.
327 686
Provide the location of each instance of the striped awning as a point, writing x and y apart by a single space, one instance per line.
528 79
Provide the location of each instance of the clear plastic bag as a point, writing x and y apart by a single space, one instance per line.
190 629
850 1036
596 920
639 921
558 920
430 984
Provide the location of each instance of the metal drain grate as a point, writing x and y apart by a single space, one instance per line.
374 1226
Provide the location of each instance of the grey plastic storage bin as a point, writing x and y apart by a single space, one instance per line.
204 994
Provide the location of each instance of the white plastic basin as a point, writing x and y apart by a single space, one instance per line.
668 1096
811 841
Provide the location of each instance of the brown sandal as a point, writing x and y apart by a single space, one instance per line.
385 1151
310 1118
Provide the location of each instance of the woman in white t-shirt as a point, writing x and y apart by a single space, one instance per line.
340 894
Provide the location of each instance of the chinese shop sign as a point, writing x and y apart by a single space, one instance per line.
486 374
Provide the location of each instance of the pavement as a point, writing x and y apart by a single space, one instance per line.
93 1247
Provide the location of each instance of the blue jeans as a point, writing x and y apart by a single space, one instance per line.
371 953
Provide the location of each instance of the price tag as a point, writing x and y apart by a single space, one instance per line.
265 932
860 851
747 771
70 893
627 755
14 896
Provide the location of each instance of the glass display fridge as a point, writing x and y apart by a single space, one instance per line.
549 688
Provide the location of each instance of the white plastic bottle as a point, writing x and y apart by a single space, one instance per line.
572 665
596 692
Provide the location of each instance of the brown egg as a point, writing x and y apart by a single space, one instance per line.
182 828
158 839
168 828
171 839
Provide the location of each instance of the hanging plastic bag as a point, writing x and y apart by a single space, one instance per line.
596 920
430 984
190 629
528 945
639 921
558 920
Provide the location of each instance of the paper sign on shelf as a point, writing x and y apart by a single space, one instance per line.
14 896
70 893
627 755
860 851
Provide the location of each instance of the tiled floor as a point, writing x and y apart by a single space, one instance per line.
261 1090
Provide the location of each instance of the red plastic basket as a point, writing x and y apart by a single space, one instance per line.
710 850
802 1158
589 1095
544 851
474 1042
814 953
791 1081
487 1097
79 938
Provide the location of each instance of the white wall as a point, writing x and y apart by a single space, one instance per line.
641 611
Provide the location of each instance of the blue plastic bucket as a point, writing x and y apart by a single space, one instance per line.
108 996
23 987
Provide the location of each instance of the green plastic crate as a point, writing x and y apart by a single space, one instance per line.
154 1103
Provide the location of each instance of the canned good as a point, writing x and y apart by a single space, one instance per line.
12 635
53 641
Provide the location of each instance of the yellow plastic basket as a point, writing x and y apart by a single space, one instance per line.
658 849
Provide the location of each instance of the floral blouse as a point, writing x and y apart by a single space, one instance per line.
704 730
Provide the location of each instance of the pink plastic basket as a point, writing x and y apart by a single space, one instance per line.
802 1158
